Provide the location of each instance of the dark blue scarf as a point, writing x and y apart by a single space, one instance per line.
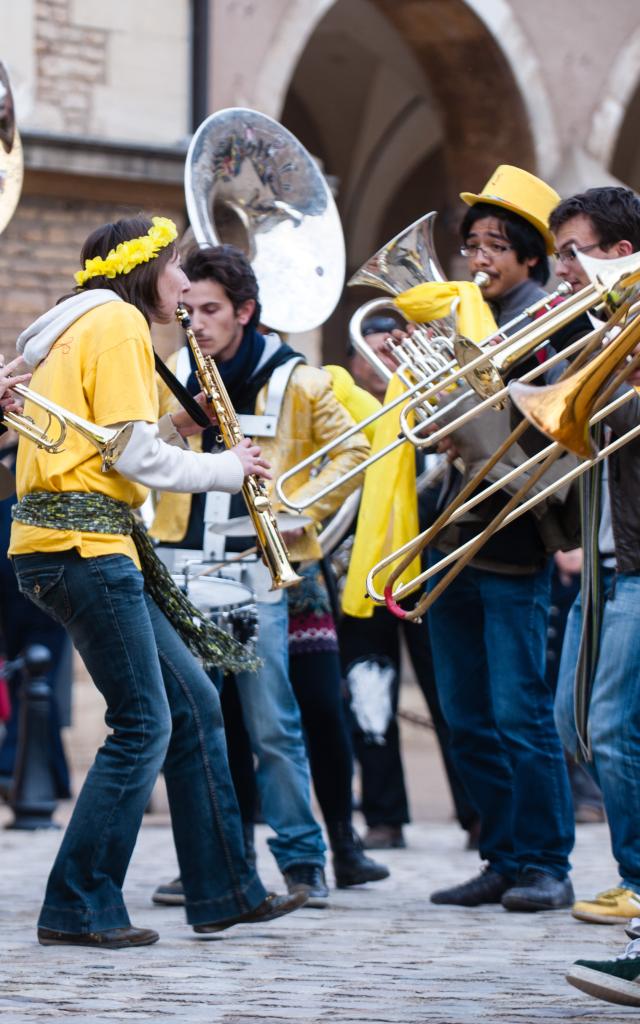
239 374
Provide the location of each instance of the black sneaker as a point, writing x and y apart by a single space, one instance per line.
170 894
536 890
308 879
615 981
487 887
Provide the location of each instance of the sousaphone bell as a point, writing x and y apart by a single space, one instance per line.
249 182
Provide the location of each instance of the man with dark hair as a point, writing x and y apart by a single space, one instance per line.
488 629
291 406
598 696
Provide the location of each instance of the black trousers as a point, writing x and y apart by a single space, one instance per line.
384 796
317 684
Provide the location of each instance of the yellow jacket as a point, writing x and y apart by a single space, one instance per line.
310 417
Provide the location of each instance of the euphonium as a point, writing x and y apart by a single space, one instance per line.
254 492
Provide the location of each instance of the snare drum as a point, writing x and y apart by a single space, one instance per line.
229 604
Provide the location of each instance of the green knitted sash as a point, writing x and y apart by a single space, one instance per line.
97 513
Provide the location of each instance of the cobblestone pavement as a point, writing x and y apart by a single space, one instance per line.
380 954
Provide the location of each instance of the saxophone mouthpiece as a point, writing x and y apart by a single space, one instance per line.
183 317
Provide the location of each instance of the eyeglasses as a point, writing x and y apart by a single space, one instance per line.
491 249
570 255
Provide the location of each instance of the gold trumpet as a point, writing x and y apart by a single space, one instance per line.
109 441
564 412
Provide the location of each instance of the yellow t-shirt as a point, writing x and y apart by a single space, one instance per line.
101 369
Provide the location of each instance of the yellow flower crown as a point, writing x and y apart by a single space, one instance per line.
130 254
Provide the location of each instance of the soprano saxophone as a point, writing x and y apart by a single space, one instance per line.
254 492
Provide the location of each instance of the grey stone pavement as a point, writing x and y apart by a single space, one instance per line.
381 954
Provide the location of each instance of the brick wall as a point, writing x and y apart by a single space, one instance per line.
39 253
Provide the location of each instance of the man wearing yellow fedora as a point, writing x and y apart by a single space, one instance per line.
489 627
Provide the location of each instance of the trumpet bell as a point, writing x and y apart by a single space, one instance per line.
249 182
110 441
557 411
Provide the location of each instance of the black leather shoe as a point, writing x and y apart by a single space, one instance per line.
308 879
271 907
350 864
537 890
487 887
112 938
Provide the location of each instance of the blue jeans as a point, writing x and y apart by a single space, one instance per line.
163 710
272 719
488 636
614 714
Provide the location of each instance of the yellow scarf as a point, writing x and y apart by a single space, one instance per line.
388 516
433 300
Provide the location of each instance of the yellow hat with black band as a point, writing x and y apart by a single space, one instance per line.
522 193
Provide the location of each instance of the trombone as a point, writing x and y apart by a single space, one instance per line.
564 411
109 441
426 363
610 282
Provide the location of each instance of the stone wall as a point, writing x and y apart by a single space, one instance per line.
115 71
70 60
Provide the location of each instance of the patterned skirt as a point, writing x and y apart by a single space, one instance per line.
311 625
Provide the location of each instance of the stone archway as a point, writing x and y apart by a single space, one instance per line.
407 103
613 137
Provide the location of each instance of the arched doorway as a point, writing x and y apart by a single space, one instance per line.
625 161
405 102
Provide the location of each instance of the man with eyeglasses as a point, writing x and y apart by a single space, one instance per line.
489 627
598 696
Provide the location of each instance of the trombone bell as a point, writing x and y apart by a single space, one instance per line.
562 411
554 411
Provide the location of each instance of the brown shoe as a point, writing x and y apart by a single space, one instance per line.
270 908
384 837
112 938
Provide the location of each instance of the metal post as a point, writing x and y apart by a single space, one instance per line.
33 794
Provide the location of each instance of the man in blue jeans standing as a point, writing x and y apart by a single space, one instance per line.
292 408
598 696
489 627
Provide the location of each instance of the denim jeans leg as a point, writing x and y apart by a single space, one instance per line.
564 710
102 605
462 678
272 718
516 613
614 723
217 880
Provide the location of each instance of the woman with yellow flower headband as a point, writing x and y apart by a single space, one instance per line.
80 556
